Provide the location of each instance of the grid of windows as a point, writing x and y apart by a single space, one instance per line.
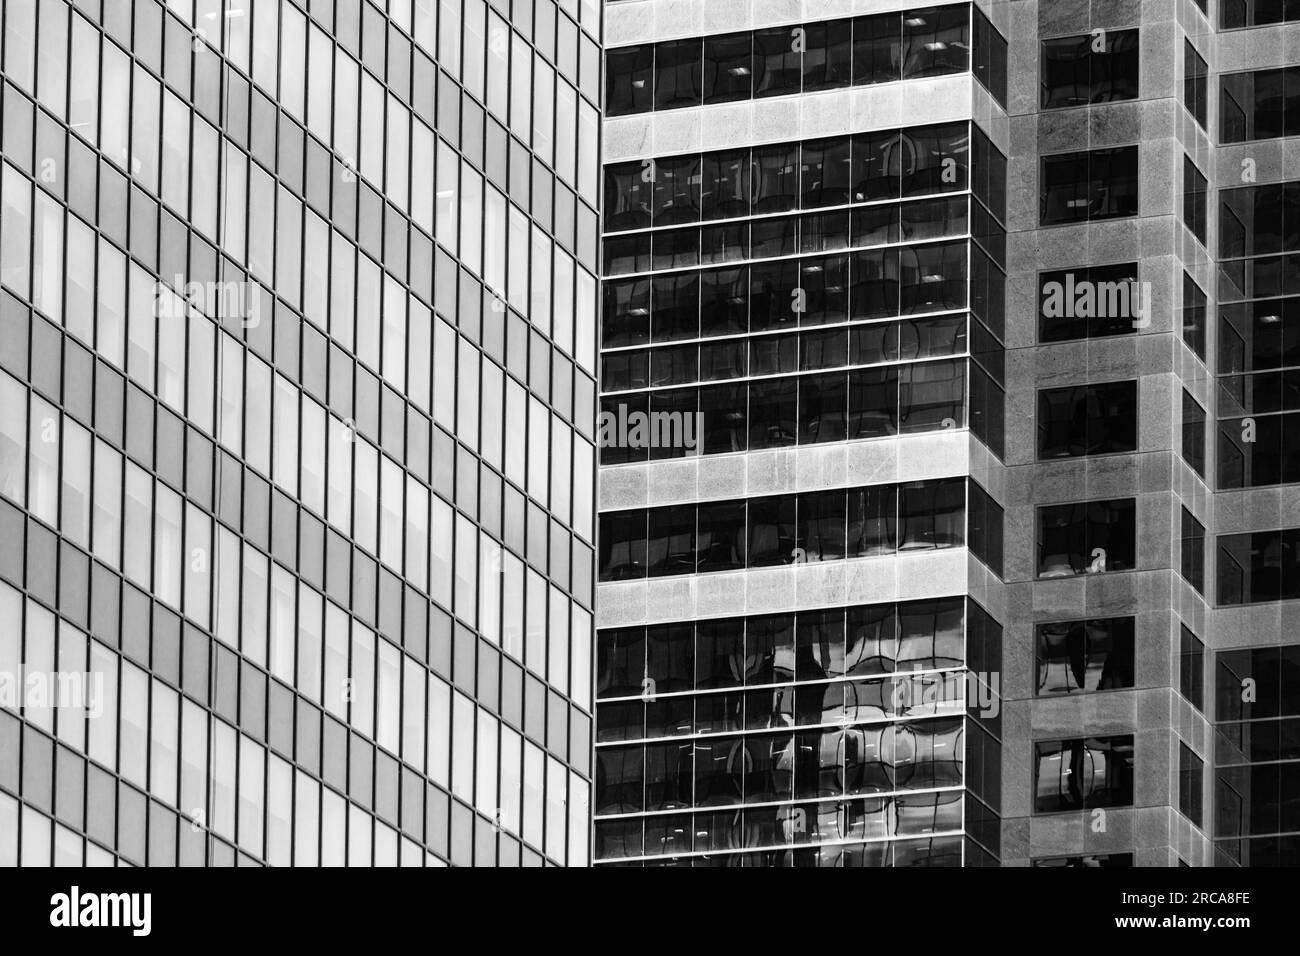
739 314
787 294
782 529
1258 336
1257 761
287 343
807 58
847 676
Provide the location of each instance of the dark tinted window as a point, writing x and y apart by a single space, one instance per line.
1258 567
1089 537
1193 434
1195 83
629 80
1195 200
1077 657
1194 316
1191 783
1089 302
728 68
1093 419
1097 67
1262 104
1088 186
1193 551
679 66
1191 668
1083 773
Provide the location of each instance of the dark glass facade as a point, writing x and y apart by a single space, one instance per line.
803 297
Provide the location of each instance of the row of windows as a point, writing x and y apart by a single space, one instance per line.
802 705
873 284
770 767
732 358
774 237
827 55
1257 741
875 818
1256 13
223 779
942 851
776 413
773 649
780 530
841 170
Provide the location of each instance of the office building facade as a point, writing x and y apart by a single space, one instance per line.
800 591
298 311
982 550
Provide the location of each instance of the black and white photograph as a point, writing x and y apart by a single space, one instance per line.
642 434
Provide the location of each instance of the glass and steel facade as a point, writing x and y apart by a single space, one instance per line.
298 320
825 313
